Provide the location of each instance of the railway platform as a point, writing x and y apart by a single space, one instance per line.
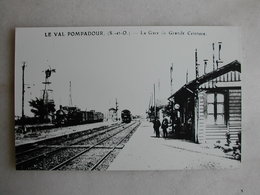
144 151
30 138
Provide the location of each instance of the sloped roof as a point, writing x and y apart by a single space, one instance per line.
191 86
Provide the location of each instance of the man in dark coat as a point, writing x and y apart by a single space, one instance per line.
156 126
164 127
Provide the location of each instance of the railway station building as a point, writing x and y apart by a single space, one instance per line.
209 107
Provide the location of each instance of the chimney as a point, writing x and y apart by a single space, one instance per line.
219 60
219 48
205 65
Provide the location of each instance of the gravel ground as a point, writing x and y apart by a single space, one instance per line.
33 154
104 166
86 160
63 142
89 159
52 160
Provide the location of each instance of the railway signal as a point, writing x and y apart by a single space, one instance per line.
47 83
46 90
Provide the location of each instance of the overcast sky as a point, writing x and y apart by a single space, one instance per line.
103 68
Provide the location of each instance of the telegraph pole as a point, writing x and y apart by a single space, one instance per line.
116 109
154 101
196 102
196 64
171 80
23 117
70 96
187 76
213 59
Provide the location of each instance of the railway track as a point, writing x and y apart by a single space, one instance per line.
97 165
28 148
37 151
90 159
46 157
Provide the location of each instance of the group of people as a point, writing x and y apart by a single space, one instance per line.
157 124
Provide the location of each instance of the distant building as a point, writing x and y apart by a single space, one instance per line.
209 107
112 115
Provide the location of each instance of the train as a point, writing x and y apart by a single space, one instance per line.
126 116
69 115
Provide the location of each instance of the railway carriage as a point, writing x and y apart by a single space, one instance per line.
73 116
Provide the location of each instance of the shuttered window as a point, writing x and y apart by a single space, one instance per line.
215 108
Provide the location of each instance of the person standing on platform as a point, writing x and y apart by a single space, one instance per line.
156 126
164 127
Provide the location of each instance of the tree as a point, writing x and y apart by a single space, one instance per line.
167 110
42 110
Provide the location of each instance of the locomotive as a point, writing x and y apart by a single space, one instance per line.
68 115
126 116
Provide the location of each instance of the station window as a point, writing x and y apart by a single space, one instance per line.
215 108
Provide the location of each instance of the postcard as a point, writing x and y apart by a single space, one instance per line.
128 98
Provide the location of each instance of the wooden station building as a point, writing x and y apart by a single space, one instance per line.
209 107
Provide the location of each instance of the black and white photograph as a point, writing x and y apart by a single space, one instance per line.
128 98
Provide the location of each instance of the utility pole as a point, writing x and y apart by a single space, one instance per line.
70 96
171 80
196 99
116 109
187 76
23 117
149 106
196 64
213 56
154 101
